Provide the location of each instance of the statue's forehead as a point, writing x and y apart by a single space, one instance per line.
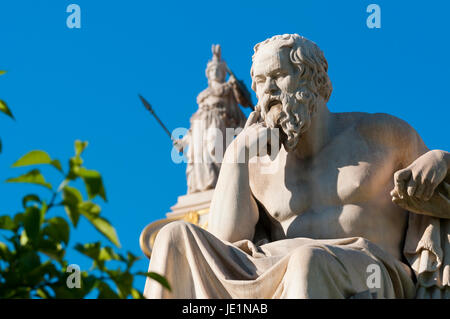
270 58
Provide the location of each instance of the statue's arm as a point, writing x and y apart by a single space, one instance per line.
238 94
186 138
234 212
422 184
182 143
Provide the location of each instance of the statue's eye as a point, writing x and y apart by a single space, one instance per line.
259 79
279 74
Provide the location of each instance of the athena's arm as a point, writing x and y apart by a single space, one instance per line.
238 94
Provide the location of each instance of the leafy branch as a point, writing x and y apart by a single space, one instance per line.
34 245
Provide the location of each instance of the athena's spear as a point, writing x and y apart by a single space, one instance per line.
149 107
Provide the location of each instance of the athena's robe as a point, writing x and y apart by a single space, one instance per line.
207 135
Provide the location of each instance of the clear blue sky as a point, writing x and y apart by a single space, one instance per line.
65 84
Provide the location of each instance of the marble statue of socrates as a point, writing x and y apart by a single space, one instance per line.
349 193
218 110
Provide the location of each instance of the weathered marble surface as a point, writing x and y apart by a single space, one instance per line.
344 190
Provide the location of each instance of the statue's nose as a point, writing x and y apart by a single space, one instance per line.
270 86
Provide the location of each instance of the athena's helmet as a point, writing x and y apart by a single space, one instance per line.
216 64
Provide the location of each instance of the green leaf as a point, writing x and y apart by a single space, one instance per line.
19 218
23 238
52 249
87 282
37 158
33 158
2 72
107 253
131 259
136 294
36 275
80 147
43 293
71 199
58 229
162 280
5 254
74 166
32 222
103 226
90 207
56 164
5 109
105 291
44 209
63 292
98 254
27 262
93 181
123 281
7 223
76 161
92 250
30 198
32 177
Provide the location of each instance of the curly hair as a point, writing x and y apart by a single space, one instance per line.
309 59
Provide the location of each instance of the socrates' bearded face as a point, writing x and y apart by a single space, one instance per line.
285 102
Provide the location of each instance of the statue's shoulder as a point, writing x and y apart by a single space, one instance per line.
382 122
388 130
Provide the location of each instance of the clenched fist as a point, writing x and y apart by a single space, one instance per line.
422 177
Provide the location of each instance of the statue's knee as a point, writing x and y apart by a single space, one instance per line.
308 269
172 234
309 257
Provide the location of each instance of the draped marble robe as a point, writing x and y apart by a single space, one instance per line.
199 265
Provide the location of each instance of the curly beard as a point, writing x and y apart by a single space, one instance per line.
291 112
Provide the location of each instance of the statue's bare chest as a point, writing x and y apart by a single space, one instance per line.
338 176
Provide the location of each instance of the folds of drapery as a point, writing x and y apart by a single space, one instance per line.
427 249
427 243
202 266
199 265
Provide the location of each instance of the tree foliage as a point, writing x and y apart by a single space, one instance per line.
34 241
4 109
